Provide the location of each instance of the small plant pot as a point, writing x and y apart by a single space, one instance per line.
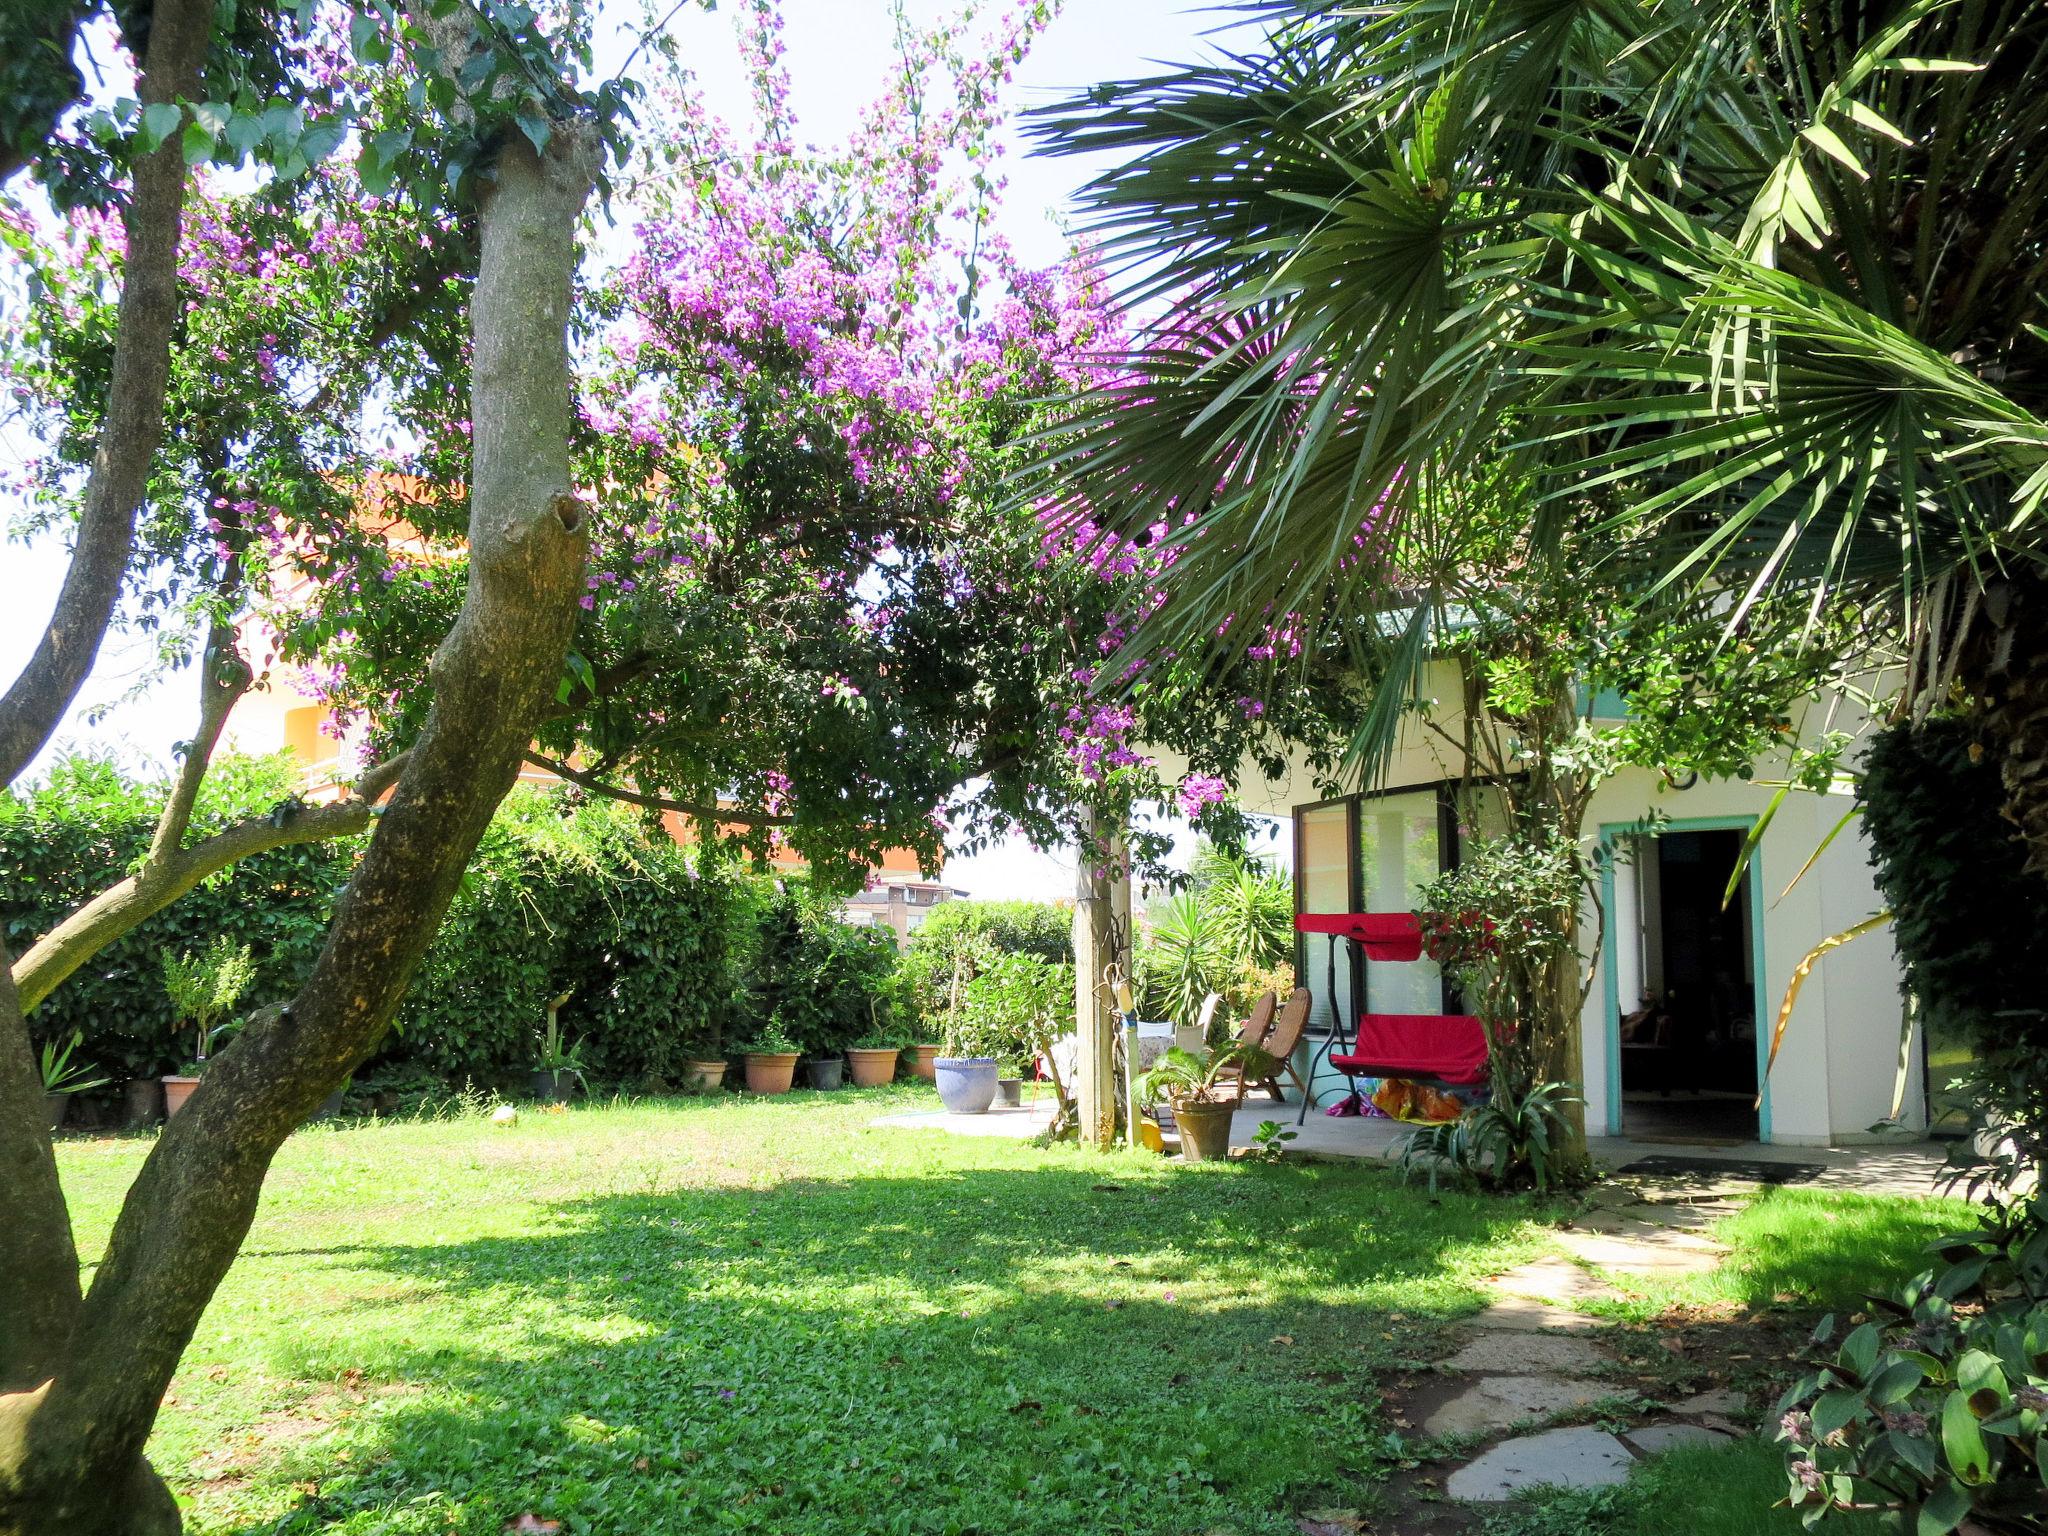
1010 1092
967 1084
59 1106
703 1076
329 1106
872 1069
142 1102
771 1071
176 1091
924 1061
1204 1131
552 1087
826 1072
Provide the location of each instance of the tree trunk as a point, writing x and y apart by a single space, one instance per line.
71 1459
2006 668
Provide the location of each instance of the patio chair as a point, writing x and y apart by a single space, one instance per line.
1279 1042
1441 1050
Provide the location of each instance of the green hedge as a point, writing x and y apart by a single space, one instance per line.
86 826
666 953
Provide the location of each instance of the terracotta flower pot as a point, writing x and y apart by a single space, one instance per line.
176 1091
703 1075
771 1071
925 1061
872 1069
1204 1131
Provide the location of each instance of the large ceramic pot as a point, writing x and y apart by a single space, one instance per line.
703 1075
924 1060
967 1084
826 1072
176 1091
553 1087
872 1069
142 1102
1204 1131
770 1071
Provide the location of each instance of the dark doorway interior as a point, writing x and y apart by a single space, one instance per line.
1688 1052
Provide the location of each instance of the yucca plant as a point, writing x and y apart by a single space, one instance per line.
1512 1141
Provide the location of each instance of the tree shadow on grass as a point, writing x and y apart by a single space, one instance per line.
1000 1350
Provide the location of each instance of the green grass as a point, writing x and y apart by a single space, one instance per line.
1805 1247
709 1315
1701 1490
715 1315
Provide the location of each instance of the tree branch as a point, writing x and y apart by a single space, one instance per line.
598 786
223 678
31 709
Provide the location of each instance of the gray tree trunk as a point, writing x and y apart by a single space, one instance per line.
71 1461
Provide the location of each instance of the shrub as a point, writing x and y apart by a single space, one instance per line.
1013 1007
960 936
1937 1410
85 827
822 982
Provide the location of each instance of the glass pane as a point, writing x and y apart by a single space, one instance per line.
1325 887
1400 850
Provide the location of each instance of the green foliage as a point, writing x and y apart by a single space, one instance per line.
58 1073
1512 1141
1013 1005
85 826
1936 1410
1966 916
1501 924
966 935
1182 1077
1228 933
816 981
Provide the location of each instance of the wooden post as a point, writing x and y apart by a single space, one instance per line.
1100 942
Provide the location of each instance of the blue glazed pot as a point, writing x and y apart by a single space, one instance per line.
967 1084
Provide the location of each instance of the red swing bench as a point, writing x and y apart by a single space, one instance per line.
1443 1050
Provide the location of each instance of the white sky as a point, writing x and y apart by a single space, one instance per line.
838 56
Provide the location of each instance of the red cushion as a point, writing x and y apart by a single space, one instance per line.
1450 1047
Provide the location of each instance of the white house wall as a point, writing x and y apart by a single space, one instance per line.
1836 1072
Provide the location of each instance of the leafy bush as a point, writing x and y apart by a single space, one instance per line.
818 981
1012 1007
959 937
1231 932
85 827
1512 1141
1966 916
1937 1411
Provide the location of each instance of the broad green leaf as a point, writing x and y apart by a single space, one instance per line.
1962 1441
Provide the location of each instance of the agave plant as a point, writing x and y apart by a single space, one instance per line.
60 1074
1752 285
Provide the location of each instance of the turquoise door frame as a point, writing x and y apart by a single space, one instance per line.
1611 834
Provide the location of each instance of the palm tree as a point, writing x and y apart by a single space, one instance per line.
1756 280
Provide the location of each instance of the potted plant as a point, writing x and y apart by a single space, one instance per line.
558 1066
61 1079
966 1073
702 1074
771 1060
1202 1101
826 1072
203 988
873 1056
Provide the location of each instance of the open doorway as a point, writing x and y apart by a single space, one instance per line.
1688 1038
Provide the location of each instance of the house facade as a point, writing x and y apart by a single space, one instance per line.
1685 988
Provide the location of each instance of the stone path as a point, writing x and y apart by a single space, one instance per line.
1534 1359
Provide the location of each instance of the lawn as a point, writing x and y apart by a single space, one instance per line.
767 1316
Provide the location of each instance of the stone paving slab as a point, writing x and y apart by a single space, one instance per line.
1523 1314
1656 1439
1552 1280
1568 1458
1495 1403
1671 1254
1504 1351
1723 1400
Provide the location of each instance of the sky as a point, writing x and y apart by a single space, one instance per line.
839 53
